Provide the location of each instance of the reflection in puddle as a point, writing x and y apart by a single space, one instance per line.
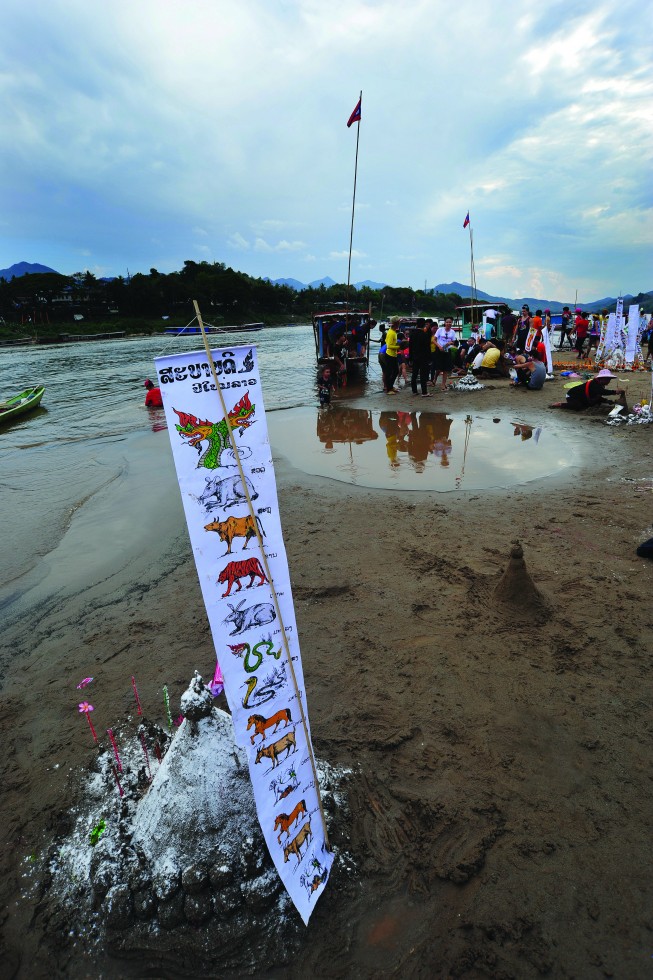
416 450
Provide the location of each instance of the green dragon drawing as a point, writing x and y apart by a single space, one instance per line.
216 434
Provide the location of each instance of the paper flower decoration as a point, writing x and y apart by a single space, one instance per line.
87 680
86 707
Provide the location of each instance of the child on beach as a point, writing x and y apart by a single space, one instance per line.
325 384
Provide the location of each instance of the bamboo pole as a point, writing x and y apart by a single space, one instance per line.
266 566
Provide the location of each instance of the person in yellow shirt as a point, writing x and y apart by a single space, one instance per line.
391 363
488 366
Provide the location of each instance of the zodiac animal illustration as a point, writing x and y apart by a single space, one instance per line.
295 846
268 689
216 434
236 527
312 884
261 724
244 619
226 492
285 744
284 785
235 570
284 821
248 364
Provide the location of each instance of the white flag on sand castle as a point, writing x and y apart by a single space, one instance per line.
233 521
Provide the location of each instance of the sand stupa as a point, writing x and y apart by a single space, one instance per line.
516 589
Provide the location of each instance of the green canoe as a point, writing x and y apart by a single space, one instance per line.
19 404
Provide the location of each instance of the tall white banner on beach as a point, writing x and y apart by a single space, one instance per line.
248 600
633 333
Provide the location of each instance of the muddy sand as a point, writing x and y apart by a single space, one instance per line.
495 712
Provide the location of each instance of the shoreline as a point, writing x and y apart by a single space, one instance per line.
498 806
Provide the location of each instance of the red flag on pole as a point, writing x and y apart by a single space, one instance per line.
466 221
356 114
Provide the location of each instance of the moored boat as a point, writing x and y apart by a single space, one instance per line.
354 352
20 404
231 328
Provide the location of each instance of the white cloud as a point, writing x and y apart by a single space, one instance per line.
127 133
237 241
261 245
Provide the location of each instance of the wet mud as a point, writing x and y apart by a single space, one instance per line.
498 817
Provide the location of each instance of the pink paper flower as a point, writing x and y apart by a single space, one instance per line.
87 680
86 707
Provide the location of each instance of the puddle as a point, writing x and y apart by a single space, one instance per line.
398 450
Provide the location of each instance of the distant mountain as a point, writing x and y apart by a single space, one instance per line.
465 292
292 283
370 284
23 269
326 282
515 302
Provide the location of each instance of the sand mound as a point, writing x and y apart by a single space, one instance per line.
516 589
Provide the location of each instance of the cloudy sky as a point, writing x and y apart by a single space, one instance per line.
138 135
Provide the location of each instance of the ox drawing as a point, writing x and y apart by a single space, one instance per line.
235 527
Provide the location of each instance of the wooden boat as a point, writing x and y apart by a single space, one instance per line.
74 337
184 331
26 401
356 326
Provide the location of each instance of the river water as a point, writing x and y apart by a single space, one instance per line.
94 442
93 431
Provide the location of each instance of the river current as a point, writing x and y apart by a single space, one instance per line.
93 426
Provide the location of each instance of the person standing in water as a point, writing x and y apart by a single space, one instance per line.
153 397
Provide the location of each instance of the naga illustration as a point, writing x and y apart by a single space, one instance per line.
270 687
216 434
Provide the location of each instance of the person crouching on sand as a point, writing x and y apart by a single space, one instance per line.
589 393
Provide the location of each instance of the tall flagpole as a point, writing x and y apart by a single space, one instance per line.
472 274
353 203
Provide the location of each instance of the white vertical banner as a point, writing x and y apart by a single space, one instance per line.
612 341
632 332
248 598
546 339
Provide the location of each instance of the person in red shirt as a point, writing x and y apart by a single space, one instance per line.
582 328
536 323
153 397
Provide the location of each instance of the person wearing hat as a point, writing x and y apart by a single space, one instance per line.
589 393
153 397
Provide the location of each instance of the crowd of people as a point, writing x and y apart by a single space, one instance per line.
434 352
427 353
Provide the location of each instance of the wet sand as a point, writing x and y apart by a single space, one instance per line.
499 807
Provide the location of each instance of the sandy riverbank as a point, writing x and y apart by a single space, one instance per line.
500 806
